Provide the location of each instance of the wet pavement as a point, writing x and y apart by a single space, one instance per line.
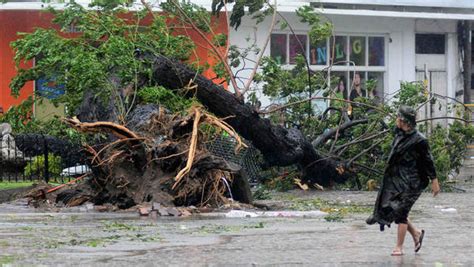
78 237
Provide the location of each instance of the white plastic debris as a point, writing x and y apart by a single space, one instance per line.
240 214
76 170
285 213
290 213
449 210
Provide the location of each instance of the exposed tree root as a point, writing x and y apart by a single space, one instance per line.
163 160
100 127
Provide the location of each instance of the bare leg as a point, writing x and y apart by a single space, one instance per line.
401 233
415 233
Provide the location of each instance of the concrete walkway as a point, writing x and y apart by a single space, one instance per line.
29 237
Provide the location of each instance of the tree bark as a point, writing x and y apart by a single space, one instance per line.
279 146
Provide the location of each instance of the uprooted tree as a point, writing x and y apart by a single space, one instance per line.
121 61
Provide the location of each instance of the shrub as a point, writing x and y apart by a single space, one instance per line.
36 166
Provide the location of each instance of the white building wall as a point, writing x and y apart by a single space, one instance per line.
400 45
450 63
401 60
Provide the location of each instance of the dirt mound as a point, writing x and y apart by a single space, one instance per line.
12 194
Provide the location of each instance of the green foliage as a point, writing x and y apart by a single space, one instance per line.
220 71
336 210
279 179
160 95
261 193
110 4
290 86
449 146
239 9
371 84
21 120
189 11
334 217
411 94
105 57
19 117
36 166
220 39
319 30
287 86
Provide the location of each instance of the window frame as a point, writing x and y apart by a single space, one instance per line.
366 69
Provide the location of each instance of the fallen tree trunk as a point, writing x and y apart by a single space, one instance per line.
279 146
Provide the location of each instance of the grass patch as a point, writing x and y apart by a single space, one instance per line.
13 185
326 206
334 217
117 226
219 229
7 259
337 211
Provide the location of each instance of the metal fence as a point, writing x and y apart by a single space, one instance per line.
249 158
33 157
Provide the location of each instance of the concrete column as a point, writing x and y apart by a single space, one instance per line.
467 61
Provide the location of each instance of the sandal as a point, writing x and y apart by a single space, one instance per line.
420 240
397 253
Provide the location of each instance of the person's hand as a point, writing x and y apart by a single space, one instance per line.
435 187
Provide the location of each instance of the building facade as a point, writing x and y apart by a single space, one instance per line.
18 17
387 41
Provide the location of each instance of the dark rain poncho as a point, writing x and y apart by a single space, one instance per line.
409 169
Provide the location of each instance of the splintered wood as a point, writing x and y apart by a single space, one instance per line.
163 159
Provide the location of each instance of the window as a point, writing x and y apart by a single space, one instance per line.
318 53
339 51
364 54
278 48
430 43
357 50
297 46
376 51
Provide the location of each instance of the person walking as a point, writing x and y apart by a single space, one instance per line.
409 170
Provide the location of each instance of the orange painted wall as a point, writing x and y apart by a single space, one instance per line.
14 21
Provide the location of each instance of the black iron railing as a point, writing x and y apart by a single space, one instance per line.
34 157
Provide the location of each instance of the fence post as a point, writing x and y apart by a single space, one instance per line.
46 162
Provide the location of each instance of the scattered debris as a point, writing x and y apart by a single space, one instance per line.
302 186
246 214
449 210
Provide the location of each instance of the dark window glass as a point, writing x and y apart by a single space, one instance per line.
278 48
338 52
378 90
376 51
357 50
430 43
297 46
